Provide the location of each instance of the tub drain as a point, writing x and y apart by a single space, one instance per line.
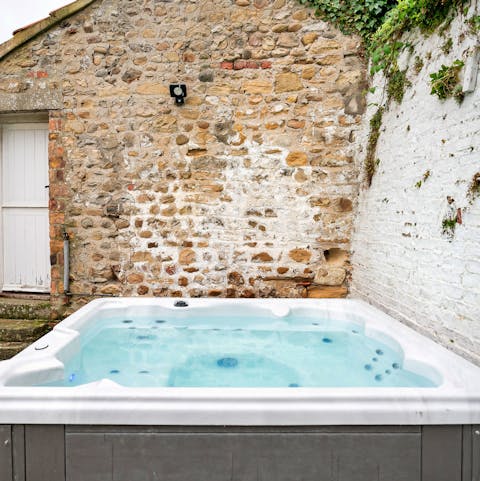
181 304
227 362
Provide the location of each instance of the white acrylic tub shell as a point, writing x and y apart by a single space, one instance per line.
456 400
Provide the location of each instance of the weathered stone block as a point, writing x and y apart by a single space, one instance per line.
287 40
152 88
297 159
257 87
287 82
326 292
186 256
300 255
262 257
330 276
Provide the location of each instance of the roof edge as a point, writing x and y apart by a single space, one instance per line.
23 35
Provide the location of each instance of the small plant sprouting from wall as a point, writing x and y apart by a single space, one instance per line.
418 65
474 188
451 219
448 226
474 24
397 82
446 83
371 161
447 46
425 176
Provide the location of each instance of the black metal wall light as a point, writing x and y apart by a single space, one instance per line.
178 92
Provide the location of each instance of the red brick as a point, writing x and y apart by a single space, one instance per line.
170 270
55 273
239 64
57 218
266 64
42 74
227 65
56 162
459 216
59 190
252 64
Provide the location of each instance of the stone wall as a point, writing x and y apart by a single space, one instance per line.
429 154
246 190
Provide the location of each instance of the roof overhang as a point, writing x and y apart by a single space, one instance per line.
24 34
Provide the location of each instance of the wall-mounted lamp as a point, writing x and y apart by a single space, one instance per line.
179 92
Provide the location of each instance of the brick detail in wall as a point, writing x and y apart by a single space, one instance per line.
59 196
37 74
242 64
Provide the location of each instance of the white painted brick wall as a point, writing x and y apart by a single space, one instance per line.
401 261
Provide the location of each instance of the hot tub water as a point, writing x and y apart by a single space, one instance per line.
221 353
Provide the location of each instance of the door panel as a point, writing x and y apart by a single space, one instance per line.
25 233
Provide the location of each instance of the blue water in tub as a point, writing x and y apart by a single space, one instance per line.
165 352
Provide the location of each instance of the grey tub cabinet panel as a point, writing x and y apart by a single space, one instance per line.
243 456
18 452
6 469
186 453
442 453
44 452
475 453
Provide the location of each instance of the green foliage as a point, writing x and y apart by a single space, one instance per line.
474 24
384 55
448 226
381 23
397 81
418 65
447 46
445 82
427 15
371 161
425 176
361 17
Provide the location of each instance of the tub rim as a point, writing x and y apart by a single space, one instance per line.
455 401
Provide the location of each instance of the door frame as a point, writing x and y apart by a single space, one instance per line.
9 119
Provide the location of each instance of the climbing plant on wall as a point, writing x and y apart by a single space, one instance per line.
361 17
385 45
381 24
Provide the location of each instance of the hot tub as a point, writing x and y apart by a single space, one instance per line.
193 376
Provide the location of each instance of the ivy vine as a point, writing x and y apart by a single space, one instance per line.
385 45
371 162
381 23
361 17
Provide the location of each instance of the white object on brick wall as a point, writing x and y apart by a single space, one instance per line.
471 70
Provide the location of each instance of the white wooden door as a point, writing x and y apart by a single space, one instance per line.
24 219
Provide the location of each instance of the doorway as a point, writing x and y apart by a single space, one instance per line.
25 265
